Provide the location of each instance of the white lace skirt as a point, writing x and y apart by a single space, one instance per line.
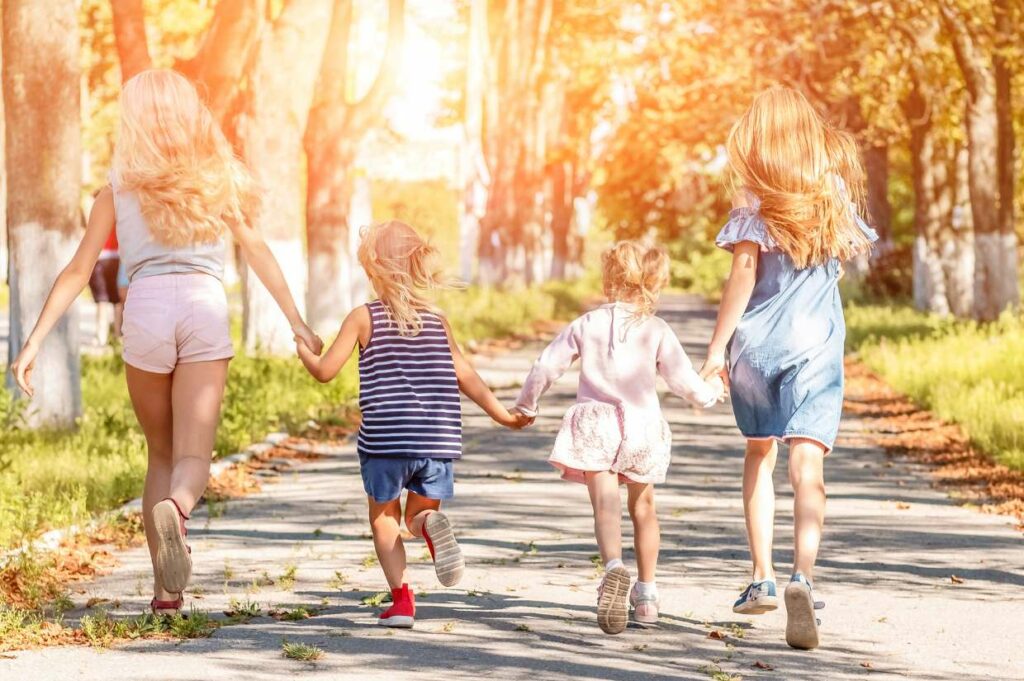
597 436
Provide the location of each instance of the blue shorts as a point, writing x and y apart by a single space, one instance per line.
384 478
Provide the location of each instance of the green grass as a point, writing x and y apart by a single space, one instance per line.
303 652
965 372
51 478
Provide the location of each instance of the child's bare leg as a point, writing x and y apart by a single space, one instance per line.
759 504
807 475
417 508
385 523
604 497
646 532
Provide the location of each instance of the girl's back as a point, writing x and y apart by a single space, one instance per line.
408 392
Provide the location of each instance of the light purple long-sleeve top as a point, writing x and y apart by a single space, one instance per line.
621 357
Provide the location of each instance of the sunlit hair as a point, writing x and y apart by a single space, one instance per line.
172 155
402 268
634 274
806 174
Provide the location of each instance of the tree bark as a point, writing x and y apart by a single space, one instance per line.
335 129
473 165
270 130
219 64
1006 161
130 37
876 166
43 141
983 179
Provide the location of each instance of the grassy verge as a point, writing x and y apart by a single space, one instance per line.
968 373
58 478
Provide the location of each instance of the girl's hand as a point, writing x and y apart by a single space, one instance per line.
718 384
714 365
521 419
305 335
22 366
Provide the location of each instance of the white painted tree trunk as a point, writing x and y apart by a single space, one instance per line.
360 216
43 142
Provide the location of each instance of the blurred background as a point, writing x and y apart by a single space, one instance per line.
523 136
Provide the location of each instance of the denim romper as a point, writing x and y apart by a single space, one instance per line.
786 357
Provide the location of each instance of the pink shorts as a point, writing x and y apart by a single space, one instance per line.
172 319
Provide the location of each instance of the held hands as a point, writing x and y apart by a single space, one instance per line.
516 420
22 367
305 336
714 373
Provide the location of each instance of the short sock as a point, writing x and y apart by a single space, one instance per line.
647 588
613 563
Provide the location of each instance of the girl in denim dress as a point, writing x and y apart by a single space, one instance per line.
781 325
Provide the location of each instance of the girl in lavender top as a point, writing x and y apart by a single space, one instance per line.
616 433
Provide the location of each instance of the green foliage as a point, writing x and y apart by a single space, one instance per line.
965 372
304 652
700 270
101 629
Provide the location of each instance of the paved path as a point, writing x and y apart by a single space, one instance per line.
526 606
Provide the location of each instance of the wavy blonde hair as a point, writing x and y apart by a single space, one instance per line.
806 174
634 274
172 154
402 268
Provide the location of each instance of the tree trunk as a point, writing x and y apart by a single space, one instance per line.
983 177
270 128
957 243
928 281
130 37
43 141
1009 293
876 166
473 165
561 217
336 127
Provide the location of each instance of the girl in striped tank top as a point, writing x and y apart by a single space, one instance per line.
410 375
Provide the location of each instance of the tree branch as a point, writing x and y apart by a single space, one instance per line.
130 37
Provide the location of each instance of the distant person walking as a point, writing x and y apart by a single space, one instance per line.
103 286
781 321
176 191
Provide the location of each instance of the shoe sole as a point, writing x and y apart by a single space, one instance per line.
801 624
397 622
758 607
448 561
172 559
612 608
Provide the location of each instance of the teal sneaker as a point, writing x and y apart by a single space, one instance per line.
801 623
757 599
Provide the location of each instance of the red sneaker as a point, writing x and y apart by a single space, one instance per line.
402 612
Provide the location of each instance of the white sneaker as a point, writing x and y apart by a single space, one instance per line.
645 606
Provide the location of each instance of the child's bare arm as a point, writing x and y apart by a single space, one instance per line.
735 297
473 387
355 329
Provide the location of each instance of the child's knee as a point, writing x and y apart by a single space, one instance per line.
806 466
765 451
643 508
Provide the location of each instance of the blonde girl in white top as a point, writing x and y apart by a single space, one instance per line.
177 191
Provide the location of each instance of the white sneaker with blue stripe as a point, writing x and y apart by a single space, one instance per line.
801 623
757 598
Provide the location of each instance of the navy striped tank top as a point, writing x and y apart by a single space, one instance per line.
408 393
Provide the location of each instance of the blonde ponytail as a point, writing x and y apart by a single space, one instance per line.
402 268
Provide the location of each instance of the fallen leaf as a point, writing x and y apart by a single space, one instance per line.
956 580
867 665
717 635
902 505
93 602
763 665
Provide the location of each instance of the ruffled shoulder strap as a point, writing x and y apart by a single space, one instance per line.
870 233
745 224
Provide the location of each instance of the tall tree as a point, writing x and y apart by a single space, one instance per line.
336 126
992 293
270 129
1006 40
130 37
43 142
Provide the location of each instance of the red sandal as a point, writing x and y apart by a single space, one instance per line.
173 555
167 608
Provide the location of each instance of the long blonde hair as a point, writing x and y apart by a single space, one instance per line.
402 268
634 274
172 154
806 174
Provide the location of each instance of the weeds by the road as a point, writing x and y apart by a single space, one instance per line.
303 652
